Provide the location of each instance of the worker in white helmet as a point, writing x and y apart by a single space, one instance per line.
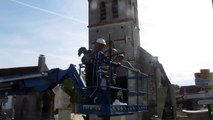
99 55
93 60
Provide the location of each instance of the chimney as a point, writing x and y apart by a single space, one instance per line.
41 63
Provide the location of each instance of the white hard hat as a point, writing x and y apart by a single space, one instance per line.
101 41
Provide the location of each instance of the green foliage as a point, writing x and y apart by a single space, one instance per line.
177 88
68 87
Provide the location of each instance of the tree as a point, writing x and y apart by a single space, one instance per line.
68 87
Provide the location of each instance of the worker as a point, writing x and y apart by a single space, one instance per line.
99 57
93 60
122 77
111 55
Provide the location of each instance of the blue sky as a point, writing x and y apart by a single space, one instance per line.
33 27
179 32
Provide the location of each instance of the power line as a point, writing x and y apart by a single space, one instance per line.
48 11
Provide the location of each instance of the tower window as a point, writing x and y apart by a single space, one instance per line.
115 8
103 11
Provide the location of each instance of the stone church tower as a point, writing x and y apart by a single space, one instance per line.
115 20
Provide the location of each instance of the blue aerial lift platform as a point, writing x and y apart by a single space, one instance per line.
29 82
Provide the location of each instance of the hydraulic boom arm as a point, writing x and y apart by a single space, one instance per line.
40 81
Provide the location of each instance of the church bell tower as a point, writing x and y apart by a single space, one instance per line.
116 21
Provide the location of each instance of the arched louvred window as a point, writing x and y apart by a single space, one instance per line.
115 9
102 11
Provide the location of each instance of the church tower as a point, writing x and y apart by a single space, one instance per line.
116 21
